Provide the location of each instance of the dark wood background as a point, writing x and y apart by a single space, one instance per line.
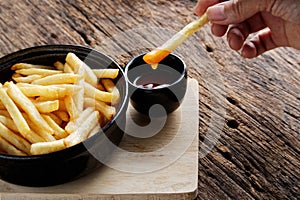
249 109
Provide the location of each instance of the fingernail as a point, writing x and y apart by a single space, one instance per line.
249 50
216 13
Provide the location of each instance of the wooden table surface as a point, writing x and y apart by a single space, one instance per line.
249 109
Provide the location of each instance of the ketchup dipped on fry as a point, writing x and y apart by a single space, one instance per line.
158 54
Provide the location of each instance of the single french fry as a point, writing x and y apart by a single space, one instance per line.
76 63
47 147
16 75
26 79
59 133
37 71
94 131
23 102
59 65
18 66
64 78
103 108
10 149
73 125
46 106
83 131
42 91
71 108
70 89
73 61
68 68
110 87
14 112
93 92
50 92
106 73
79 96
13 138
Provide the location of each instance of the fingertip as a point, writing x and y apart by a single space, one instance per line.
199 9
249 50
218 30
216 13
235 38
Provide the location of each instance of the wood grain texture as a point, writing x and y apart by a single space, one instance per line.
248 108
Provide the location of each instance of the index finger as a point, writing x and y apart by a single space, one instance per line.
202 6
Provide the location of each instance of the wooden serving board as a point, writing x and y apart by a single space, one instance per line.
163 166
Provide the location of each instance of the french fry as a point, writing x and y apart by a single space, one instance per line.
26 79
63 115
71 108
47 106
59 133
79 96
55 118
10 149
64 78
76 63
103 108
37 71
73 125
42 91
23 102
53 108
95 130
9 123
59 65
93 92
62 105
99 86
32 137
82 131
68 68
5 113
15 75
47 147
14 112
16 140
70 89
55 91
18 66
110 87
44 134
106 73
2 107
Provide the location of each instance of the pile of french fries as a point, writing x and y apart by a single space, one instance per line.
44 109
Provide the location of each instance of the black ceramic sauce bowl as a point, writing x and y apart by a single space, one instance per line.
156 92
76 161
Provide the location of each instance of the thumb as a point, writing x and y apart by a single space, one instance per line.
236 11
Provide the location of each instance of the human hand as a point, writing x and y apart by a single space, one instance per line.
277 23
